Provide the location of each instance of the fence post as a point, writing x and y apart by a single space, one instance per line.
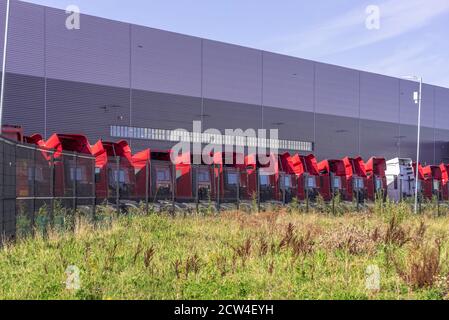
283 188
419 201
195 185
258 189
438 202
52 188
94 192
117 185
33 217
238 188
307 195
333 201
218 186
147 187
173 198
75 185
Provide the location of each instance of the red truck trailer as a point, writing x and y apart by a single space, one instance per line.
333 178
424 183
376 178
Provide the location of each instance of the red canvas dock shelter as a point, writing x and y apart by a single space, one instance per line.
424 184
31 169
306 170
435 175
376 178
12 132
356 179
154 172
71 172
114 170
333 178
194 181
269 187
445 181
232 178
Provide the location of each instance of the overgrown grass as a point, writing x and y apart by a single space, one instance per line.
285 254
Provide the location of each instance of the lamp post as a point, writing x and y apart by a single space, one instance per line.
417 96
5 45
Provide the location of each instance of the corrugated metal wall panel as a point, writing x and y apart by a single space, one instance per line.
2 27
441 108
98 53
337 91
26 39
379 138
379 98
232 73
166 62
288 82
74 107
24 102
90 71
292 124
229 115
163 111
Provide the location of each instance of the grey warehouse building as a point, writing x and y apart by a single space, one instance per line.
115 80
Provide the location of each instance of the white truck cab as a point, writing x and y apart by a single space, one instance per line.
400 178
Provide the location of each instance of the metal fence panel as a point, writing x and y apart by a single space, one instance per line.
7 191
40 187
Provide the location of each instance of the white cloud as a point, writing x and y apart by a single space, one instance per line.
348 31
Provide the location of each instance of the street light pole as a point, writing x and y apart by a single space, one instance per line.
418 144
418 100
5 45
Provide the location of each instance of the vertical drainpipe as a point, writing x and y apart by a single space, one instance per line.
45 73
399 119
202 81
262 92
359 137
434 129
130 83
314 106
202 96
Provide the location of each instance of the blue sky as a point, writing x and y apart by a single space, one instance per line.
412 39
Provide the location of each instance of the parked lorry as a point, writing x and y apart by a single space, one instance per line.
400 178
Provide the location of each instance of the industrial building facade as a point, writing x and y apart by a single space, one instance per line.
115 80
